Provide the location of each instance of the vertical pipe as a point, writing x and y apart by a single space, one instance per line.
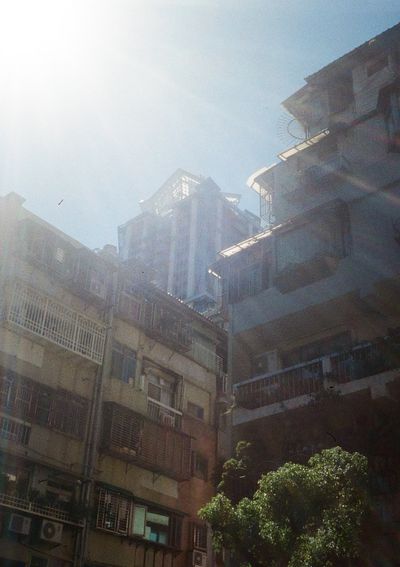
94 426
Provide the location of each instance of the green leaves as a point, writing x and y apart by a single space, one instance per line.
299 516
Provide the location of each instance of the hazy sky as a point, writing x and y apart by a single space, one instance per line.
100 101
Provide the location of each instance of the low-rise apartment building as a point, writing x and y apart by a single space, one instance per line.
109 397
313 299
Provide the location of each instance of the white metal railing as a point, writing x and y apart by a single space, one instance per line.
23 505
207 357
57 323
164 414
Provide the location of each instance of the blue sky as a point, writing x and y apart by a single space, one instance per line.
145 87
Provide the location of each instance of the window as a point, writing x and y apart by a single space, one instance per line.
324 236
195 410
199 466
121 515
198 536
316 349
163 389
113 512
123 363
249 275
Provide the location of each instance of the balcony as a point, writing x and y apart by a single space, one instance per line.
47 318
157 321
134 438
15 503
165 415
310 377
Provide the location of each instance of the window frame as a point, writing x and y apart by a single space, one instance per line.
125 369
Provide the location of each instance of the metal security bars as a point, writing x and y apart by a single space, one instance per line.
28 400
47 318
12 430
24 505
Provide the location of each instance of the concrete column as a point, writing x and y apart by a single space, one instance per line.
172 247
192 247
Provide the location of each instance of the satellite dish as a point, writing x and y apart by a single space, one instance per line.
290 130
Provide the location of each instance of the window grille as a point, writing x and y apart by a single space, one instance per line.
113 512
59 409
198 536
11 430
120 515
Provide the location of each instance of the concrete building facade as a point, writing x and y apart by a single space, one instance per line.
109 396
313 299
181 229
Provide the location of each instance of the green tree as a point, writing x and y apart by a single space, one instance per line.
299 515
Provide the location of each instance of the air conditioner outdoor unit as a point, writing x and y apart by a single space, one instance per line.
167 419
199 559
20 524
51 531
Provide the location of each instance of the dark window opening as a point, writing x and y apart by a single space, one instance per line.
195 410
316 349
199 466
123 363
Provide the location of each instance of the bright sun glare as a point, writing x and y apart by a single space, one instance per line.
44 44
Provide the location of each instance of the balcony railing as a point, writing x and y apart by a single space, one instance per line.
165 415
47 318
308 378
206 357
158 321
23 505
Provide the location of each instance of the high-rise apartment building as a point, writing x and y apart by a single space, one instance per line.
181 229
314 298
110 392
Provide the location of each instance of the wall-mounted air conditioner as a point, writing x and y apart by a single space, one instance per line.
199 559
168 420
51 531
20 524
266 362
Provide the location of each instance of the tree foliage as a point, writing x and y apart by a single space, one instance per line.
299 515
